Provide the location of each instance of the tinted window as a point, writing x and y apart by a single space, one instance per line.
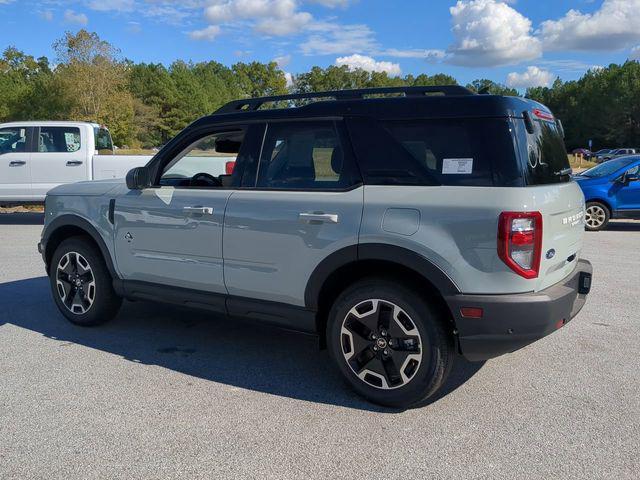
13 140
103 139
543 153
475 152
59 140
305 155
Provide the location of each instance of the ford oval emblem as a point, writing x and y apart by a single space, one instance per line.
550 254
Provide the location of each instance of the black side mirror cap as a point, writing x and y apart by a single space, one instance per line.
138 178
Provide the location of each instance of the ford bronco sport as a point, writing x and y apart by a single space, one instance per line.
403 226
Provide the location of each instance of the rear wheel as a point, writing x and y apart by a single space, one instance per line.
389 343
597 216
81 284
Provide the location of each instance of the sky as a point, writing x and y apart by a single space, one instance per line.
521 43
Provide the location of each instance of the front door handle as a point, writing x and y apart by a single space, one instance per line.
74 163
198 210
17 163
319 217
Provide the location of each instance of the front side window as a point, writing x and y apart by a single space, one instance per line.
203 162
59 140
13 140
304 155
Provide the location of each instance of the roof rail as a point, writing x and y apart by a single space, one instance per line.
252 104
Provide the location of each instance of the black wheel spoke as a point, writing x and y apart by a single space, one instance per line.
355 325
405 344
385 316
86 277
362 359
391 371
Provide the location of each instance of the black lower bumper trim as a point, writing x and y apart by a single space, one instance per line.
510 322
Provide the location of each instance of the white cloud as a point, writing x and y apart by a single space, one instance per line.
115 5
289 78
332 3
369 64
531 77
614 26
72 17
45 15
271 17
333 39
634 54
490 33
428 54
283 60
208 33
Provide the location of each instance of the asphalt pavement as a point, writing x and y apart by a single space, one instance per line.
163 392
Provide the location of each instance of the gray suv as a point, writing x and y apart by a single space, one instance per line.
402 226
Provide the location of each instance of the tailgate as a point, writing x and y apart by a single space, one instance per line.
562 208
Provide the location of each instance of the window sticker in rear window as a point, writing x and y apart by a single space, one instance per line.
457 166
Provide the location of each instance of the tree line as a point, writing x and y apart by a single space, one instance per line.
146 104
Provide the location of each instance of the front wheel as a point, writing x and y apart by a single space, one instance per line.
81 284
390 344
597 216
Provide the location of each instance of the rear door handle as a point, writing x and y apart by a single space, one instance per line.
319 217
74 163
17 163
198 210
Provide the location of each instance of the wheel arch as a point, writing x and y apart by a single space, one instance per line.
353 263
604 202
67 226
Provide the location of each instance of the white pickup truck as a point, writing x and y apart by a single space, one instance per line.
38 156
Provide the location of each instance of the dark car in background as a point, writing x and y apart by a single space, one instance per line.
611 190
585 152
619 152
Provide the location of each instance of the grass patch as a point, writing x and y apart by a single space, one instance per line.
578 164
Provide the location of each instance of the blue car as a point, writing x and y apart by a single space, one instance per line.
611 190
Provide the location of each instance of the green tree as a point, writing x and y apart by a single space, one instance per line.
484 85
95 82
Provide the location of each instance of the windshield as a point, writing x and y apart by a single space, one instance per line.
607 168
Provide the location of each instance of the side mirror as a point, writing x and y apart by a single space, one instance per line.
138 178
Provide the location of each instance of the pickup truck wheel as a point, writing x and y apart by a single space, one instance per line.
389 343
597 216
81 284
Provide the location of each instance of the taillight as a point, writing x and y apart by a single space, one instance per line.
228 167
520 242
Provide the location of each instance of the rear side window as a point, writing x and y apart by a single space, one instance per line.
307 155
471 152
59 140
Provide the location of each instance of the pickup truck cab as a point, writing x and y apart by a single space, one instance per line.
403 226
38 156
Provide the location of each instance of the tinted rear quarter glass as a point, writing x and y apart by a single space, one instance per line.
458 152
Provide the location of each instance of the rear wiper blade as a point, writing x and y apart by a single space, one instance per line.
564 171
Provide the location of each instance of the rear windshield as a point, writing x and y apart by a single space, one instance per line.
543 153
471 152
103 140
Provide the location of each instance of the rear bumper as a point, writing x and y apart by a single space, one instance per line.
510 322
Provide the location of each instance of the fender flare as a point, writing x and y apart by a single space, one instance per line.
79 222
376 251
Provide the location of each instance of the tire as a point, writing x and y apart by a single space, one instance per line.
81 284
597 216
367 342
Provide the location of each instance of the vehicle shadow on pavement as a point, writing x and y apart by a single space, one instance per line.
208 346
32 218
623 226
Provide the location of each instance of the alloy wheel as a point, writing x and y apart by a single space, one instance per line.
381 344
595 216
75 283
